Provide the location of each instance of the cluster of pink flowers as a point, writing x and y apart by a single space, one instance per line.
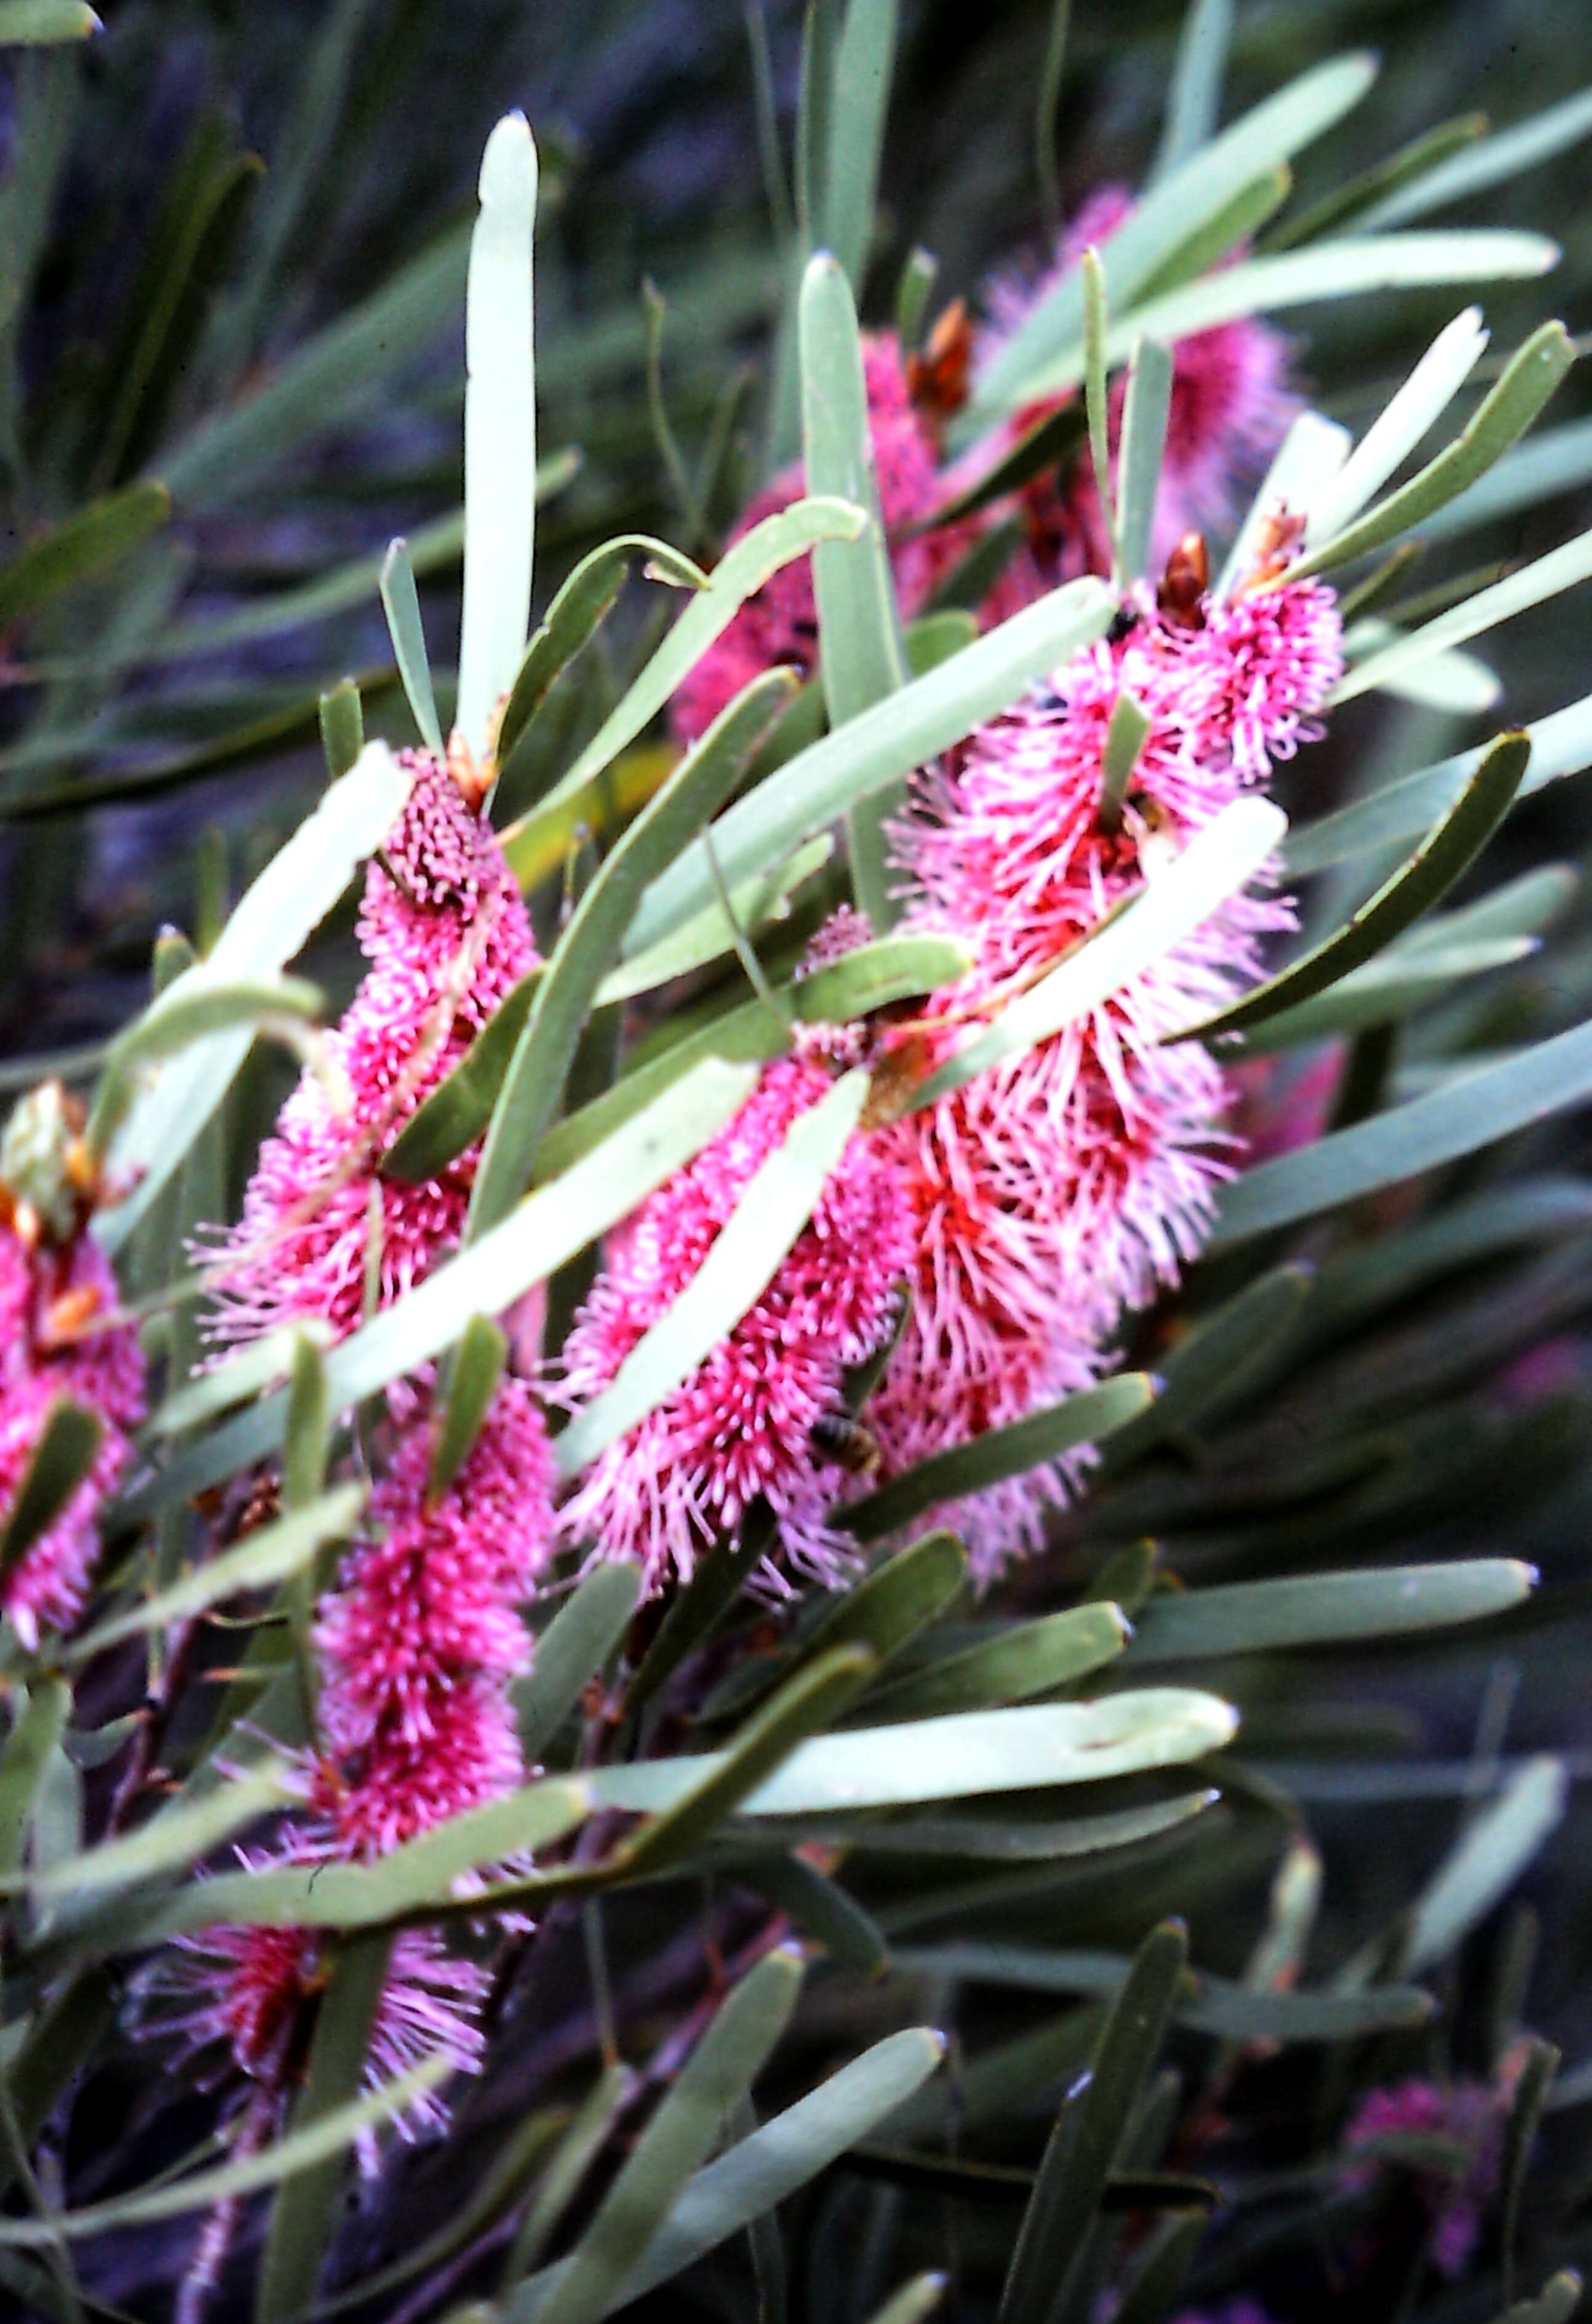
746 1425
1471 2115
419 1641
1067 1186
446 932
57 1292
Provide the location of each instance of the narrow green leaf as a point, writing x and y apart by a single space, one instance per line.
1218 861
1025 1840
1546 577
303 2214
1494 160
1270 133
342 727
262 1363
578 2149
270 924
1562 744
82 544
1125 733
739 574
672 2147
401 603
1026 1659
1163 2270
572 1650
765 2168
913 2301
858 110
203 2189
1355 197
1490 1856
1193 101
412 1883
180 1835
500 432
710 933
1536 2069
1023 1750
39 1720
1039 448
531 1243
281 1006
1504 413
819 1907
896 1600
1245 1617
1401 425
561 999
1096 409
809 1700
1048 111
26 23
1090 2134
473 1382
457 1110
1143 442
1388 989
577 612
1002 1452
1351 268
773 1209
912 726
861 659
1217 1360
259 1561
1217 237
1473 1110
1443 857
62 1457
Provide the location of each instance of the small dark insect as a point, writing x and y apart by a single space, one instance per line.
937 379
1124 621
852 1447
1185 582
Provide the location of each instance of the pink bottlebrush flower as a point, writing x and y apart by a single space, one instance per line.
780 623
445 931
246 1989
1468 2113
1258 671
988 1339
423 1631
741 1427
1230 406
54 1345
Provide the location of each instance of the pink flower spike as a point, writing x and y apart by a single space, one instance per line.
742 1428
1469 2113
1259 671
445 929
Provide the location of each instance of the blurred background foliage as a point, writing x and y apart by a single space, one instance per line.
231 267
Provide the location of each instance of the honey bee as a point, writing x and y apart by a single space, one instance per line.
846 1443
937 379
1183 586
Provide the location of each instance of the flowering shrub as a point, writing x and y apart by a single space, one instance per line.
862 1256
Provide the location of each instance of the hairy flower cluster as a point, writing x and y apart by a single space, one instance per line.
1066 1185
56 1346
747 1425
446 932
1471 2115
423 1634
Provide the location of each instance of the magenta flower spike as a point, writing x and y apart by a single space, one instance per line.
741 1427
445 931
1469 2113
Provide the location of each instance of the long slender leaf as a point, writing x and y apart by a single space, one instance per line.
1244 1617
562 999
81 545
748 1250
401 604
1531 377
1546 577
1475 1110
1001 1453
886 742
58 1462
37 1725
1489 1859
1494 160
1143 441
859 107
1442 858
572 1650
1401 425
1028 1659
28 23
500 432
1194 102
